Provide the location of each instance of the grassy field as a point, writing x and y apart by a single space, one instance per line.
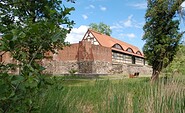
114 94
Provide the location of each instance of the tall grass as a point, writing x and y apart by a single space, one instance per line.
116 96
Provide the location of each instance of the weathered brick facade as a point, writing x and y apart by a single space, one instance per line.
88 58
83 57
95 54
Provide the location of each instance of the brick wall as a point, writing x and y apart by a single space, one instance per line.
85 58
88 58
69 53
85 52
102 53
90 52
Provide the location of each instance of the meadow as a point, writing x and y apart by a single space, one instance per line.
111 95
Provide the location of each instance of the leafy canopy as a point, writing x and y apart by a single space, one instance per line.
29 29
101 27
178 64
162 34
33 26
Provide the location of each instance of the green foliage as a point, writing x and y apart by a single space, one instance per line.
72 71
116 96
178 64
30 28
17 92
101 27
162 34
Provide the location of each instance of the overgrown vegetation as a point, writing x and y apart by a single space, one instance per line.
30 28
123 95
115 96
178 64
72 71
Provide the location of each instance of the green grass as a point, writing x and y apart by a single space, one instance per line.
104 95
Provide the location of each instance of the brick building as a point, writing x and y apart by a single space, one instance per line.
96 53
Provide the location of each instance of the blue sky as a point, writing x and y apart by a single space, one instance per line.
125 17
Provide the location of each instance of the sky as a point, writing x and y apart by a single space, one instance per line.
125 18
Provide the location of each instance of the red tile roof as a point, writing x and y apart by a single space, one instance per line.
108 41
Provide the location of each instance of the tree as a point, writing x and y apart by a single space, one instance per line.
178 64
30 28
101 27
162 34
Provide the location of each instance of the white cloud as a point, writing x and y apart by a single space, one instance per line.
85 17
116 26
128 22
140 5
77 34
183 4
103 8
139 25
129 35
92 6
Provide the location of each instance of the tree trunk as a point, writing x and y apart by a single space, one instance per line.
155 75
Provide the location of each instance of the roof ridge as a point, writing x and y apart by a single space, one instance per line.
114 40
94 31
125 42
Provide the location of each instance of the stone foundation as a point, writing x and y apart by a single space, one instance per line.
94 67
101 67
130 69
57 68
85 66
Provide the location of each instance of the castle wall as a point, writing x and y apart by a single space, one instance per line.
130 69
68 53
85 58
90 52
88 58
102 53
59 67
94 67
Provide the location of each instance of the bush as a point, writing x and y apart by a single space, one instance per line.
73 71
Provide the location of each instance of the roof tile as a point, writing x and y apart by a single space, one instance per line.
108 41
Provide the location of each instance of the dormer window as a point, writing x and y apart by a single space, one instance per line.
130 50
117 46
138 52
